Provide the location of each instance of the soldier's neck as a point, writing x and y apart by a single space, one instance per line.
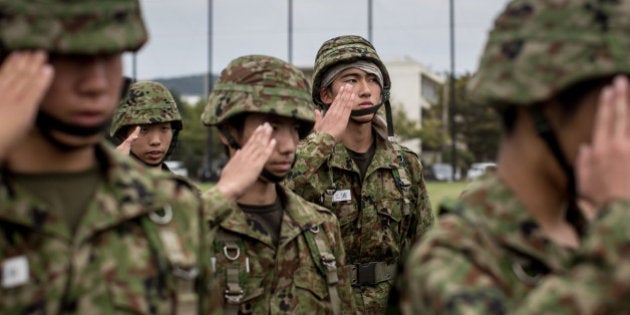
358 137
538 183
260 193
34 154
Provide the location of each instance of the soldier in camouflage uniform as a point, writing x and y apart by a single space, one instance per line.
521 241
147 123
273 252
373 185
85 230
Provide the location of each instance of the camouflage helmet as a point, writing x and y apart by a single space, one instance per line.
345 49
538 48
70 26
260 84
146 102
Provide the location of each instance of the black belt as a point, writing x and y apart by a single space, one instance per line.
370 274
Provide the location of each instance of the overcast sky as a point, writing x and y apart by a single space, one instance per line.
419 29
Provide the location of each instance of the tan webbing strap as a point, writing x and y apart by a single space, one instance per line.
233 291
407 226
166 243
187 300
332 278
404 184
328 198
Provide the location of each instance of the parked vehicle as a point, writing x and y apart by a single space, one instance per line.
440 172
477 170
177 167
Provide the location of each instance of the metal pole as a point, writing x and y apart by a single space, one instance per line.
134 67
207 90
209 82
370 21
452 92
290 32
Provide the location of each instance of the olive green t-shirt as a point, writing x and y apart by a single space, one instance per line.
67 194
363 160
268 218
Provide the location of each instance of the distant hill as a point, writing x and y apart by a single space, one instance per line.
191 85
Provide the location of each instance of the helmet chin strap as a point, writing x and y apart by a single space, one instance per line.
374 109
365 111
545 131
46 123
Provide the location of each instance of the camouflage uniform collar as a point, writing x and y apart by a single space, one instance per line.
123 195
298 217
494 206
385 156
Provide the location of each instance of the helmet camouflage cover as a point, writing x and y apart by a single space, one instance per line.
260 84
538 48
71 26
146 102
346 49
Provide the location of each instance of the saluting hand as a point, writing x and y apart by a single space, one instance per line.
336 119
24 80
603 171
125 146
245 166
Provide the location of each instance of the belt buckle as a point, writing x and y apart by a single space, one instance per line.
234 297
366 273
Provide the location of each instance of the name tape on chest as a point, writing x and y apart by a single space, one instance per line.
15 272
342 195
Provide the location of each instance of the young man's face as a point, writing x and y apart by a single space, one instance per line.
84 93
285 131
152 143
364 85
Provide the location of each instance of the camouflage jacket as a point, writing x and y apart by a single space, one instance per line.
135 249
487 255
264 279
379 217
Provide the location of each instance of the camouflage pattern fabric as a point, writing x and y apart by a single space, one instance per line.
146 102
374 227
120 259
346 49
276 280
488 256
538 48
72 27
598 281
260 84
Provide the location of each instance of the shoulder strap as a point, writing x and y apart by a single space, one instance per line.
327 196
234 292
326 263
401 178
169 261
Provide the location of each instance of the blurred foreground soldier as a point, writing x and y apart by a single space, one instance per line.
273 252
374 186
85 230
147 123
518 243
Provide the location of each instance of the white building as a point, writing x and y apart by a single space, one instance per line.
414 88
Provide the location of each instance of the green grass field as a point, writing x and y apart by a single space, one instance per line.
440 190
437 190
